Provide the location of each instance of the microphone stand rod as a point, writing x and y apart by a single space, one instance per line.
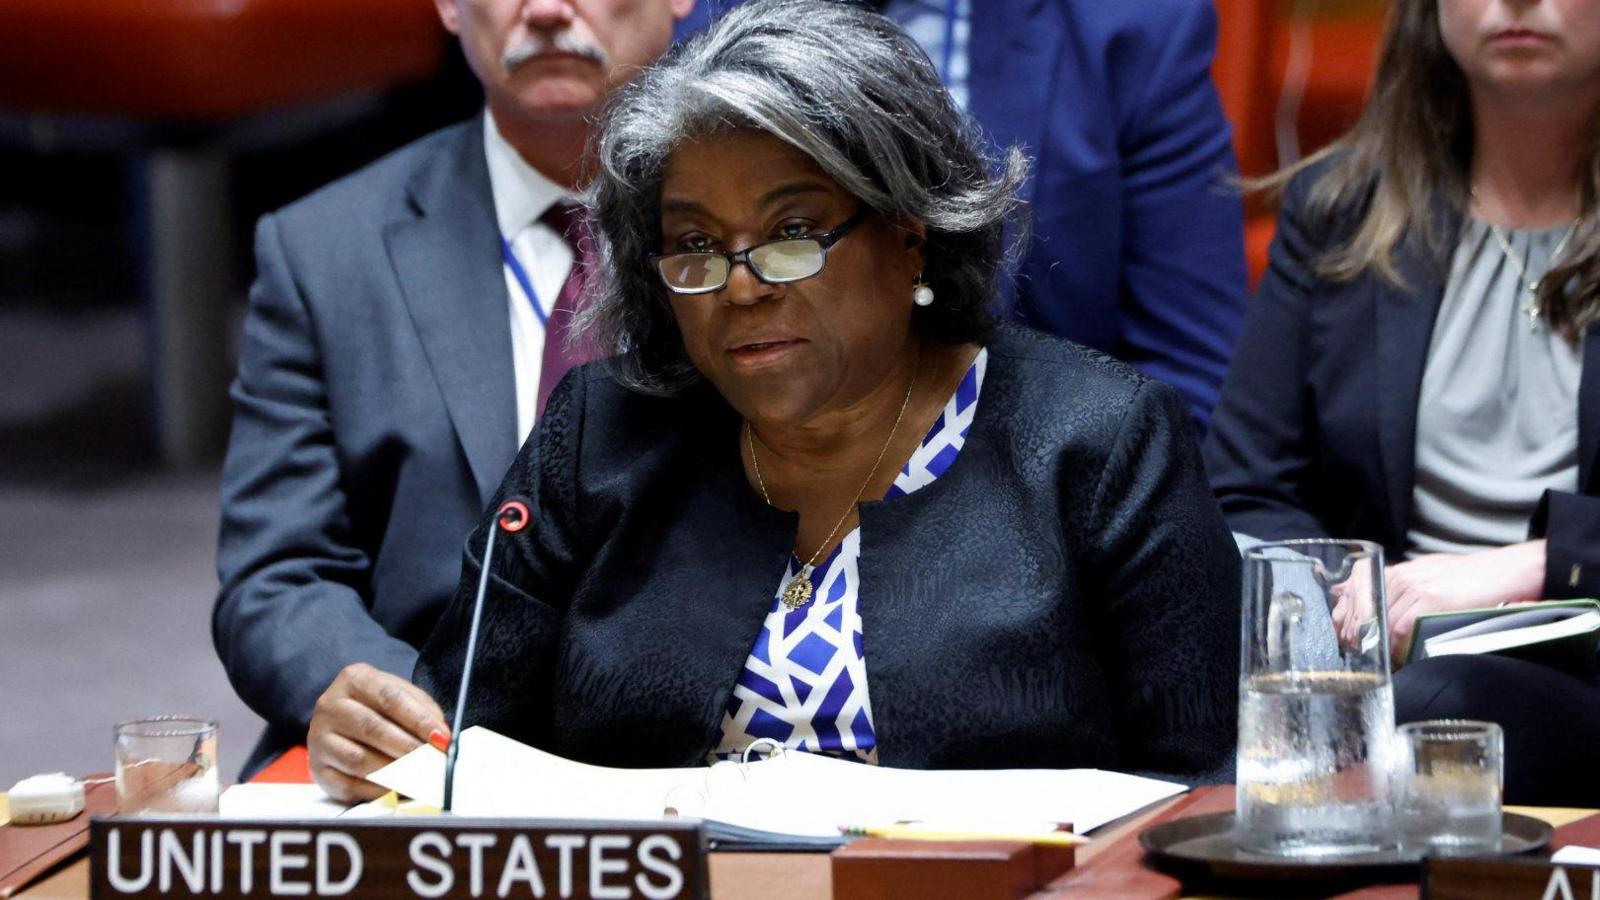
466 666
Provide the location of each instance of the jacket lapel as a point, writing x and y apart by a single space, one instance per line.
447 262
1012 64
1589 414
1405 317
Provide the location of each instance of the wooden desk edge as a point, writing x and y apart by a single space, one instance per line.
781 876
806 876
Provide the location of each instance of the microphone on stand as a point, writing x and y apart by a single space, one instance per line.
512 517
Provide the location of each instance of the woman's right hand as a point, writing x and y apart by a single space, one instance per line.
1445 582
1441 582
365 720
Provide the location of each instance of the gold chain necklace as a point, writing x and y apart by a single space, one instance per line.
1532 308
797 592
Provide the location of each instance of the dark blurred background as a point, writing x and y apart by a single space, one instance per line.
108 473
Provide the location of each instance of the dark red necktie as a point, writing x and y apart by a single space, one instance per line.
560 354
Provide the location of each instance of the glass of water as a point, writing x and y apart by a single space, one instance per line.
165 765
1316 709
1451 777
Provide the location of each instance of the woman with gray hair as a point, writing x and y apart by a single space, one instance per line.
818 495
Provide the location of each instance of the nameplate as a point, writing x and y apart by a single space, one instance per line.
418 857
1507 878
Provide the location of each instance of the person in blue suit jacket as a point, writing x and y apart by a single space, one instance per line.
1137 232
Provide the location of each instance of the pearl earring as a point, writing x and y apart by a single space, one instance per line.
921 294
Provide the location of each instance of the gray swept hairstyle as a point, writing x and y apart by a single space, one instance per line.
850 89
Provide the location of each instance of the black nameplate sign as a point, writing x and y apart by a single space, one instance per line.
404 857
1507 878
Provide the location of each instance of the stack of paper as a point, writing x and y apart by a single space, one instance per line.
793 793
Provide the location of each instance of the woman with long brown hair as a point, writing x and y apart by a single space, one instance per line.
1419 367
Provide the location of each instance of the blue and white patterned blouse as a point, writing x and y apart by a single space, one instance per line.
805 682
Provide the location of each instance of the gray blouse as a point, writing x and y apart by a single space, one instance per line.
1497 417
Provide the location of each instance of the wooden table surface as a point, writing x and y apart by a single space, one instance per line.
1110 866
740 876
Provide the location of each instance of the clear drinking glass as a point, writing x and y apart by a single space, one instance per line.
167 765
1316 709
1449 788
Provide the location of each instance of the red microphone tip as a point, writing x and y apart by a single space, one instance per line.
513 516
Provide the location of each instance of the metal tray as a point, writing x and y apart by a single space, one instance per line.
1204 846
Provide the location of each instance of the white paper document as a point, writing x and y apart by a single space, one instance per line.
278 801
792 793
1576 855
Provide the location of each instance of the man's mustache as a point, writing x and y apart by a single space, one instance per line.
560 42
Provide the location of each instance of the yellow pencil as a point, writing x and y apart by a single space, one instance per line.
911 832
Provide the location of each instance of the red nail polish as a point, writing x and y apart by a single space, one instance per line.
440 739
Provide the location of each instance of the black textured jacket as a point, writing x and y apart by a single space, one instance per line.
1065 595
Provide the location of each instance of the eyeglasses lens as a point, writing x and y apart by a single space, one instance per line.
776 262
787 260
694 271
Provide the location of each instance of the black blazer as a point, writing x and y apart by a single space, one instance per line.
1066 594
1315 434
374 415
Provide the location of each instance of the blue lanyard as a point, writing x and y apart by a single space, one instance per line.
521 274
950 16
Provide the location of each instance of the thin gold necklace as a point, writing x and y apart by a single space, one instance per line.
1532 308
797 592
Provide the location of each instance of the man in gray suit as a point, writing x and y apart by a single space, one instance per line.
395 353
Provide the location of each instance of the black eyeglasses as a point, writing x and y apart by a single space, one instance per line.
774 262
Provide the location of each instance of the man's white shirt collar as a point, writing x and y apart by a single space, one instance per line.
521 195
521 192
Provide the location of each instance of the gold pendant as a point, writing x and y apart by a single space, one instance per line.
797 592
